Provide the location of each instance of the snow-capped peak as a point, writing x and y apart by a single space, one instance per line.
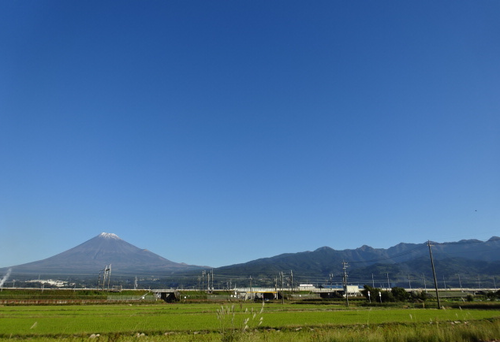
109 236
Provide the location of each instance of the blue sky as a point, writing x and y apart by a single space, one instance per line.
218 132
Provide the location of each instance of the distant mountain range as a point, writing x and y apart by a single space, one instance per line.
466 262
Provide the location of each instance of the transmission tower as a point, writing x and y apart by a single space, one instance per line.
344 280
104 278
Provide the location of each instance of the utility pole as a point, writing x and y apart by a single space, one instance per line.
344 267
373 281
460 282
213 279
99 280
276 287
250 285
388 282
109 275
434 274
282 289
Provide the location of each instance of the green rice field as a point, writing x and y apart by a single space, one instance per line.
243 321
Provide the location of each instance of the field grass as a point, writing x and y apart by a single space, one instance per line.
51 294
209 321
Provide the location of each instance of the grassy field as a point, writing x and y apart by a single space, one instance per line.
211 322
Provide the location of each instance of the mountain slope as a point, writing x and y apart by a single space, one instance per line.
469 257
93 255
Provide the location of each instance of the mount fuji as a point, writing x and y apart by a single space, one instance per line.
105 249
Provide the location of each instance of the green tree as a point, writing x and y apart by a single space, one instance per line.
377 294
400 294
370 293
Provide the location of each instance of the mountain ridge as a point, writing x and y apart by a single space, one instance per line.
464 256
467 257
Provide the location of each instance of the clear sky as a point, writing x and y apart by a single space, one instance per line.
219 132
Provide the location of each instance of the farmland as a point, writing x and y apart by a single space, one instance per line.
244 321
